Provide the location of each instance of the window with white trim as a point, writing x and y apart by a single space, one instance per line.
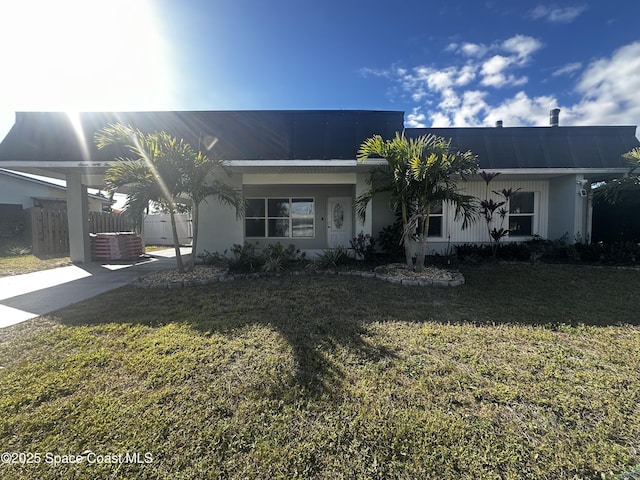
280 218
436 220
521 212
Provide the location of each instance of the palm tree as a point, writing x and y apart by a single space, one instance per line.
419 173
436 170
199 183
634 157
620 189
165 170
394 178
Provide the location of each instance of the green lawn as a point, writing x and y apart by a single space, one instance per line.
19 264
526 371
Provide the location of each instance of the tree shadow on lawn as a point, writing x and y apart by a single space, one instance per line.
325 318
319 317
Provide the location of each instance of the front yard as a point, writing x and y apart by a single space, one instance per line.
526 371
19 264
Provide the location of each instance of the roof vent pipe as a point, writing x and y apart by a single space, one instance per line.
499 124
554 117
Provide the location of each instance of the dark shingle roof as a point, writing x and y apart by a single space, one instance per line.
241 135
315 134
541 147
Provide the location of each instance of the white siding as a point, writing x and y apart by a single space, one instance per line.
453 234
477 233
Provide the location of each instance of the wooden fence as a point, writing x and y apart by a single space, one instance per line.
50 228
102 222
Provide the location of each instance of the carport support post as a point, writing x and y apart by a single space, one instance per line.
78 219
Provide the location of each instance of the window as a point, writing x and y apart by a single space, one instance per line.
280 218
521 210
435 220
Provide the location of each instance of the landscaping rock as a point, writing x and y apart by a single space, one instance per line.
396 274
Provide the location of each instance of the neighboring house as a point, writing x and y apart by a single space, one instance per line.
25 191
20 192
299 174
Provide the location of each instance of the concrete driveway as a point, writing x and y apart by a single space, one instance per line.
27 296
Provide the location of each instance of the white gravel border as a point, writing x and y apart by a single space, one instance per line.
225 276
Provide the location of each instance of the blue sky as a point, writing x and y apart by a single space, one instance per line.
466 63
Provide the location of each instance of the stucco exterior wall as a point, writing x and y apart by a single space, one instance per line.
219 225
320 194
568 210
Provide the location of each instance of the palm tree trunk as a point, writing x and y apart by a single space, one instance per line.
422 241
195 211
176 241
407 243
422 252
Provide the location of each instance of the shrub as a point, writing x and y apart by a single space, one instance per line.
333 258
515 251
244 258
555 251
617 253
247 258
18 250
472 252
364 246
389 240
217 259
277 258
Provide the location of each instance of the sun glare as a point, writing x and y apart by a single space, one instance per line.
82 55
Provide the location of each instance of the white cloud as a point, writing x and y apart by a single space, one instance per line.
522 45
374 72
416 119
450 100
557 15
472 105
495 65
521 110
609 88
452 47
473 49
569 69
513 52
493 72
439 80
466 75
603 92
423 81
440 120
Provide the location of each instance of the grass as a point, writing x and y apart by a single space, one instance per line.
19 264
155 248
525 372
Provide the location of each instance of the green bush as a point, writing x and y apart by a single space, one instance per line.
555 251
364 247
277 258
389 240
248 259
333 258
215 258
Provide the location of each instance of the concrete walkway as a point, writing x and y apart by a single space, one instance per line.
33 294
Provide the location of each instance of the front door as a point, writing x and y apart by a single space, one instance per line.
339 216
